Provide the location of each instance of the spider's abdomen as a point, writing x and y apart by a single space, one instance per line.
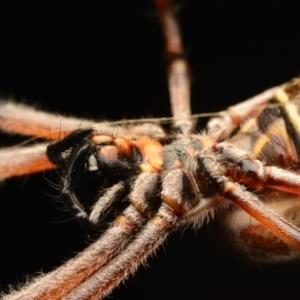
270 137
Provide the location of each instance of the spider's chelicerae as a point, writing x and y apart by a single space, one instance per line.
112 173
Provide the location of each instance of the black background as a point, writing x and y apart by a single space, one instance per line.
105 60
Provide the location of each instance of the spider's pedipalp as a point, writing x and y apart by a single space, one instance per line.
106 203
71 179
56 151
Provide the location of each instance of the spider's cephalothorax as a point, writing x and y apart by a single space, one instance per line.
100 171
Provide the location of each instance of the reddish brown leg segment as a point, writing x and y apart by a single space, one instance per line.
24 120
259 211
22 161
126 263
178 69
61 281
221 127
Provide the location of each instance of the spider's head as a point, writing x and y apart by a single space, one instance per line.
92 165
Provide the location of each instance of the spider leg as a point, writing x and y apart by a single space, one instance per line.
54 285
251 204
147 241
178 69
211 178
221 127
24 120
255 174
16 161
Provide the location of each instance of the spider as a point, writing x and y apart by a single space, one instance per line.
202 109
